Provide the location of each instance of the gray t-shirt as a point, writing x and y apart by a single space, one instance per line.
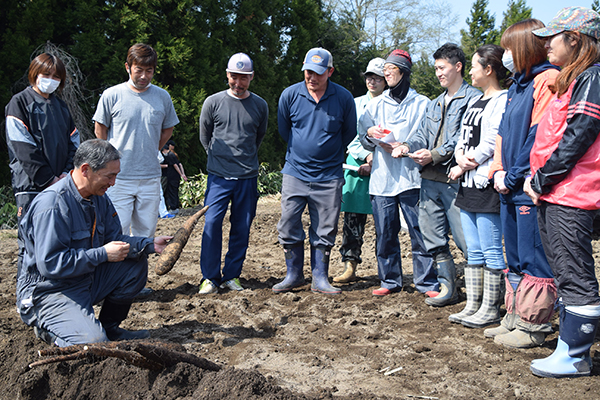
231 131
135 121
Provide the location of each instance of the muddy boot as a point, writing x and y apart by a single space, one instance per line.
578 326
294 261
535 301
474 286
111 316
489 312
447 278
520 339
349 274
509 322
319 260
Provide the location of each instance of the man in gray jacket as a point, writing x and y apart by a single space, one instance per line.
433 149
76 256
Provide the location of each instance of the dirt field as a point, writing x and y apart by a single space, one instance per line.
297 345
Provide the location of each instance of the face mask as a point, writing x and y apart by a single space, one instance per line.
507 61
47 85
130 81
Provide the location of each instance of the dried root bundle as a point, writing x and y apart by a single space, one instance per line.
143 354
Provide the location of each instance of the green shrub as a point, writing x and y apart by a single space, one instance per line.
269 181
191 193
8 212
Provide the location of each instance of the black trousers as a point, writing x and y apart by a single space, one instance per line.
566 234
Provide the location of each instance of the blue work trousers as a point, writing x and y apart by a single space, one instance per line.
243 196
386 216
522 242
69 314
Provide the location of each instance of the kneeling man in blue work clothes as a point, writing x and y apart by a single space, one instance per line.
76 256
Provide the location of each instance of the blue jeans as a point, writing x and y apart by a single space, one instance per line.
438 215
386 216
483 234
522 242
243 195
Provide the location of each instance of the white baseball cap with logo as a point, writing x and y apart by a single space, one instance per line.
240 63
375 66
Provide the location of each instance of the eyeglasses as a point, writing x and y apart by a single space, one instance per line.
376 79
390 68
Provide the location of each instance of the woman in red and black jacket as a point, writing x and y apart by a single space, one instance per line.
565 185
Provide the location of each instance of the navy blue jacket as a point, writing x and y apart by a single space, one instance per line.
317 134
527 100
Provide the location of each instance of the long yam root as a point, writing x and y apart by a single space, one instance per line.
171 253
143 354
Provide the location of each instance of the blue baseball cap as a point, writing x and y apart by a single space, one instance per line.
317 60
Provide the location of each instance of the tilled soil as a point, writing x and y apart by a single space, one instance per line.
297 345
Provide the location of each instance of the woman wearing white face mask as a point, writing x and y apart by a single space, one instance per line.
40 133
530 290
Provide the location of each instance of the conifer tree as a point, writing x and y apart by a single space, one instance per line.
517 11
481 30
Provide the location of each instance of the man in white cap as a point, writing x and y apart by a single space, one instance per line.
356 203
233 124
317 119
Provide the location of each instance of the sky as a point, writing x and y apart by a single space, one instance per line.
544 10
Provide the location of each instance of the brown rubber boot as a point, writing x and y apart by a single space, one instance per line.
349 274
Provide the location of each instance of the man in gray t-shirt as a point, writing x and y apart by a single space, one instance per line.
137 118
233 123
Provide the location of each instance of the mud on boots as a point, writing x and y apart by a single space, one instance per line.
474 287
577 330
509 322
446 274
111 316
294 261
489 312
319 261
534 303
349 274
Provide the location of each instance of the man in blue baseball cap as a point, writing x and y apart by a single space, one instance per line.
317 119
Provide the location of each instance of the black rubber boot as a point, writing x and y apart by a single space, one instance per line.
294 261
111 316
319 261
446 273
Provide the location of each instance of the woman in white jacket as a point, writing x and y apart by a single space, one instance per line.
479 203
